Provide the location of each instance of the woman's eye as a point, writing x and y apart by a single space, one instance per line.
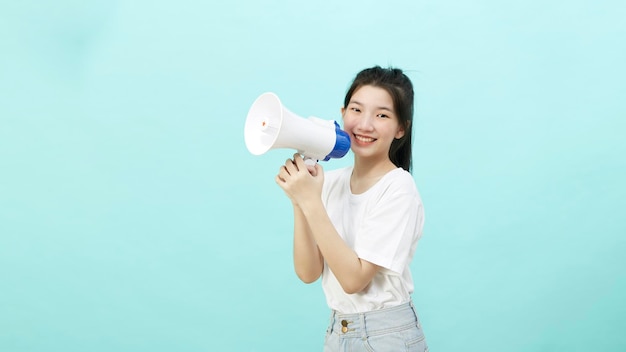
356 109
383 116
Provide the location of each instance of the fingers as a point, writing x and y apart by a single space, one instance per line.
286 170
312 170
279 179
283 174
319 170
292 166
299 162
295 165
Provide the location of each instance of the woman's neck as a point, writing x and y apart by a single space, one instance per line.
366 173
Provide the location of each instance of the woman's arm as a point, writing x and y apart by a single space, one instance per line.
304 190
352 272
307 259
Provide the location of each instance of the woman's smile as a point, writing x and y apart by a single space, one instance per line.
363 139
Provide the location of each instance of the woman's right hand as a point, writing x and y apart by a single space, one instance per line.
301 182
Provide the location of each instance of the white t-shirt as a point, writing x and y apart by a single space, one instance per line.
382 225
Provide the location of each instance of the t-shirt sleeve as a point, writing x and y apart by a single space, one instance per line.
389 232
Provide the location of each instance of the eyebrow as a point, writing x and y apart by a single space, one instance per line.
377 108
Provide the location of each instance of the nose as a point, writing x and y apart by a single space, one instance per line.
365 122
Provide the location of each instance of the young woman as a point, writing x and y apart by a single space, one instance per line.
358 226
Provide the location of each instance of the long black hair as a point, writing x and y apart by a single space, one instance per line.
400 88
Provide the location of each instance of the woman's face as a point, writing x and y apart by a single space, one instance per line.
371 121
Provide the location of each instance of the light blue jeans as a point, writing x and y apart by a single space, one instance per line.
392 329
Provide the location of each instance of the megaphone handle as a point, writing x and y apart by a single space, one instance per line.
310 165
309 161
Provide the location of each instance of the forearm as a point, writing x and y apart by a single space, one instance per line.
352 273
307 259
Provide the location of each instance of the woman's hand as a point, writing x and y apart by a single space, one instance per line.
302 183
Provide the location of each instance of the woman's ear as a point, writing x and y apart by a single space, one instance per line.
343 110
401 130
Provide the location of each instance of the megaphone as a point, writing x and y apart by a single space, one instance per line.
270 125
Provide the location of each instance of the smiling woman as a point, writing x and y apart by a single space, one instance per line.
396 102
358 226
373 124
132 217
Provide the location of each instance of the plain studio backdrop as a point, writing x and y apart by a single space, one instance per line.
132 217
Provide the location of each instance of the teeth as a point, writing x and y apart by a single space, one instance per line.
365 139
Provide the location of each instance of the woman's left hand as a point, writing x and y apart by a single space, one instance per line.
302 183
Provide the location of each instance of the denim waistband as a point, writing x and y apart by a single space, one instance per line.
374 322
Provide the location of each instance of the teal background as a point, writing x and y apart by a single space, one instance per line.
132 217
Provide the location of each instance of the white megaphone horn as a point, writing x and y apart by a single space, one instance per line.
270 125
